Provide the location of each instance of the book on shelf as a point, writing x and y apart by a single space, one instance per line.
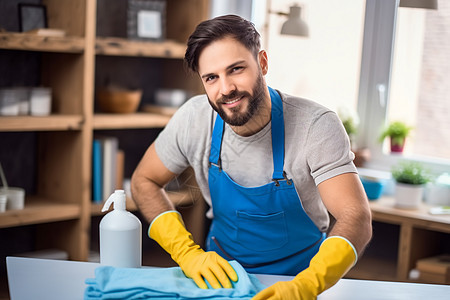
97 180
107 167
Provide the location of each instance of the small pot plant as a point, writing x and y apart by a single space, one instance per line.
410 178
397 131
350 120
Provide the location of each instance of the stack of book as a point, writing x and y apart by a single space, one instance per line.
107 167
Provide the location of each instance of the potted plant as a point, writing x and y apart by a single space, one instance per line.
410 178
397 131
350 120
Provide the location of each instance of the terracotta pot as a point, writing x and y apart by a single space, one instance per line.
362 156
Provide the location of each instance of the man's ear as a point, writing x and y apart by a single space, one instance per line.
263 61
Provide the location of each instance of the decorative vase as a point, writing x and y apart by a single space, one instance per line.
408 196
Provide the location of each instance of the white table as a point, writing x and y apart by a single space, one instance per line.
31 278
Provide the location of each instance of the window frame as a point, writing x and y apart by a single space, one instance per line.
374 86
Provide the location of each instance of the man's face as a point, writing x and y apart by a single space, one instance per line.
233 80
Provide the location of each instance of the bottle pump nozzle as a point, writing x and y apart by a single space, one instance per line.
119 199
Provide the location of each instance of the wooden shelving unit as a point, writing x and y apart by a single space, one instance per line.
62 208
416 234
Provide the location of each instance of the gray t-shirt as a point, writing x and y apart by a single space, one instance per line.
316 148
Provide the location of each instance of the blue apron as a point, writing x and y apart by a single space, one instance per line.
264 228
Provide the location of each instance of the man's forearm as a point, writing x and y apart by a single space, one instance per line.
357 229
151 199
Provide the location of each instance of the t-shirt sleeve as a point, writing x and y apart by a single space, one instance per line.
170 143
329 152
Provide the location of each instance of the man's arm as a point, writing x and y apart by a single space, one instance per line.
346 200
344 197
167 227
147 185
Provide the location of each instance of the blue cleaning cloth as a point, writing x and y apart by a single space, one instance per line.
164 283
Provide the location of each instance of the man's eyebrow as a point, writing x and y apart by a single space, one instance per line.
229 67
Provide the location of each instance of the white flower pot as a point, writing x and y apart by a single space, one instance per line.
408 196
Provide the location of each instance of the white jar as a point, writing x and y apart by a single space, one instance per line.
23 100
40 101
9 105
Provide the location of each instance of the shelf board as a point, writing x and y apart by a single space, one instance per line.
38 210
45 123
125 47
135 120
178 198
32 42
384 210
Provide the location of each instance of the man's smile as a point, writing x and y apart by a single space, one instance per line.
233 102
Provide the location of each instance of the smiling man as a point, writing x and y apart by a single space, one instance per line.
271 166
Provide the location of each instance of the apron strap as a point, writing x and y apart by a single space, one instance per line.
216 143
277 136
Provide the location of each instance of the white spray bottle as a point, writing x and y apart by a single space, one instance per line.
120 235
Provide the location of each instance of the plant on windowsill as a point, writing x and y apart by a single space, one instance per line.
397 131
350 120
410 178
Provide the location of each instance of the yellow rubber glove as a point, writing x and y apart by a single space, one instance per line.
335 257
169 232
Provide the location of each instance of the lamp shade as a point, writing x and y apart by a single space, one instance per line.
295 25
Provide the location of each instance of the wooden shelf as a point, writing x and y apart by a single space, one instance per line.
126 47
39 210
384 210
32 42
47 123
419 236
96 208
179 198
136 120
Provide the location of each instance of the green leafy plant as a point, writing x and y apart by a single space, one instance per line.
410 172
349 119
397 131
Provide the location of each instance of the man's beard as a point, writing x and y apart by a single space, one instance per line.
238 118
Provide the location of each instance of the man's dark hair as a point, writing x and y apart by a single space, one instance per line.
215 29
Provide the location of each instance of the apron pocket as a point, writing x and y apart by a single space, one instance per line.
261 233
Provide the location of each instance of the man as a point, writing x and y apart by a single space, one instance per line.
271 166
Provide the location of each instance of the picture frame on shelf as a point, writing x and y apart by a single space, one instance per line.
32 16
146 20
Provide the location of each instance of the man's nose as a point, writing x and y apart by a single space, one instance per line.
226 86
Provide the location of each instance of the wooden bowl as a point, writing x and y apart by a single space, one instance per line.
119 101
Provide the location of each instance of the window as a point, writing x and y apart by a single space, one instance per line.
420 84
384 61
404 76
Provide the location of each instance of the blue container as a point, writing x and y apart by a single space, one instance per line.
373 189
